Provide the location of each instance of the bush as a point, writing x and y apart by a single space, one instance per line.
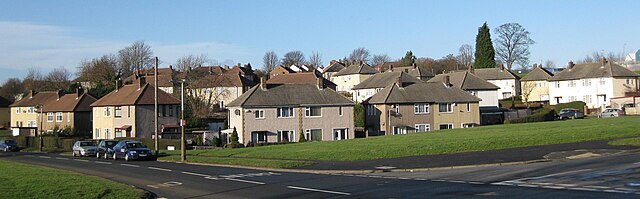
358 115
67 143
541 115
576 105
237 145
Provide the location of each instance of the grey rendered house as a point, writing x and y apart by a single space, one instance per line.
277 113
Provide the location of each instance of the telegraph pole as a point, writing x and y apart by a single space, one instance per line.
183 151
155 89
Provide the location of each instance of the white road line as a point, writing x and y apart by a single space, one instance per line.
527 185
152 186
637 163
62 158
567 185
195 174
458 181
319 190
475 182
550 175
439 180
614 191
582 189
129 165
44 157
541 183
29 156
625 189
420 179
553 187
598 187
159 169
247 181
80 160
402 178
102 162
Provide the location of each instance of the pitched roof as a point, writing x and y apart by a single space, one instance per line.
356 69
465 81
420 72
435 92
37 98
69 103
221 80
495 74
165 77
385 65
290 95
593 70
4 102
132 94
240 70
381 80
300 78
537 74
334 66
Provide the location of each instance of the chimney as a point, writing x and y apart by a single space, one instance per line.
118 84
415 66
570 66
447 81
171 67
471 70
604 61
79 91
320 82
501 67
390 67
263 84
226 67
143 81
31 93
211 70
333 61
535 66
399 81
60 93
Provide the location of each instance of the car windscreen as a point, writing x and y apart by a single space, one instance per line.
135 145
9 142
87 144
111 144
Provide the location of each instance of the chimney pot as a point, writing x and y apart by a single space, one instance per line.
501 66
143 81
415 66
535 66
604 61
333 61
471 70
320 83
447 81
60 93
570 66
399 81
79 91
391 67
263 84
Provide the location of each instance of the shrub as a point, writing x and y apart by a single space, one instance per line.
358 115
67 143
576 105
234 136
237 145
541 115
301 137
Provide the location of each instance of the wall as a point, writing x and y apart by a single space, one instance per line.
489 98
5 117
225 94
507 85
100 121
538 91
408 118
599 86
144 116
459 116
345 83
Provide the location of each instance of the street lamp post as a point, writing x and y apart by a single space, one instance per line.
183 151
41 128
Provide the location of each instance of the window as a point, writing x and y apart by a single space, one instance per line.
468 107
259 114
446 126
602 81
445 108
170 110
128 111
474 93
164 110
107 112
506 95
586 82
340 111
421 108
313 134
399 130
586 98
31 110
97 133
18 123
572 83
50 117
285 136
314 111
18 110
628 81
558 84
59 117
396 108
340 134
259 137
371 110
284 112
468 125
117 111
572 98
30 123
119 133
107 133
423 128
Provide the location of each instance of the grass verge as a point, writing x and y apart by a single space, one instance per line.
253 162
626 142
20 180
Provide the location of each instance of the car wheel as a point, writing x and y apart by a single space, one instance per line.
74 153
97 155
114 156
126 157
572 117
105 156
5 149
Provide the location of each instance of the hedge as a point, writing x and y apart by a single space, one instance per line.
541 115
576 105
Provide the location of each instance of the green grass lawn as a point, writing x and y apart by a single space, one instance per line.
20 180
445 141
253 162
626 142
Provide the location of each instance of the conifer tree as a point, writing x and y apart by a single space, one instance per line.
485 53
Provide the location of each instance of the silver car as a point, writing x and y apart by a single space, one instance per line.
84 148
611 112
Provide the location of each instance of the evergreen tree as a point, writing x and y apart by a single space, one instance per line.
485 54
408 59
301 137
234 137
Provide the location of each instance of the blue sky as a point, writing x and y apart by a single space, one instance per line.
51 34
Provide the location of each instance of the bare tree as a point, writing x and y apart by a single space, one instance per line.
56 79
315 60
358 55
526 89
99 70
188 62
549 64
380 59
134 57
270 60
33 80
12 89
512 44
293 58
466 55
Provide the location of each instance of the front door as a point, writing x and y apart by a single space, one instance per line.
399 130
340 134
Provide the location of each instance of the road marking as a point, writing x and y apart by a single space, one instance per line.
637 163
582 189
195 174
541 183
420 179
527 185
62 158
129 165
29 156
402 178
319 190
458 181
44 157
102 162
625 189
79 160
439 180
212 178
160 169
475 182
247 181
614 191
553 187
567 185
152 186
598 187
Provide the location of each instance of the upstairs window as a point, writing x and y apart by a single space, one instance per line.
259 114
446 108
117 111
285 112
50 117
59 117
313 111
421 108
107 112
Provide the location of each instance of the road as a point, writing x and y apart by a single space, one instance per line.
177 180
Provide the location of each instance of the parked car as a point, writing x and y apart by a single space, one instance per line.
84 148
9 145
611 112
570 113
132 150
105 148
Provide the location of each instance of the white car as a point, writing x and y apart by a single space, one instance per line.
611 112
84 148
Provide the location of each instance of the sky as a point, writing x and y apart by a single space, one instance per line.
50 34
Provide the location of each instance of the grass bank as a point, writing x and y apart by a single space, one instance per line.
437 142
20 180
626 142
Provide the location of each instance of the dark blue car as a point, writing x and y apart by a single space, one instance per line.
8 145
132 150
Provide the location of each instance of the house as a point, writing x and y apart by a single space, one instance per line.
402 108
71 110
245 72
301 78
593 83
331 69
5 113
379 81
166 78
534 86
128 111
24 112
351 76
278 113
299 69
218 89
413 70
280 70
468 81
385 66
508 81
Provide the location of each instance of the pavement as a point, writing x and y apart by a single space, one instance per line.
178 180
501 156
